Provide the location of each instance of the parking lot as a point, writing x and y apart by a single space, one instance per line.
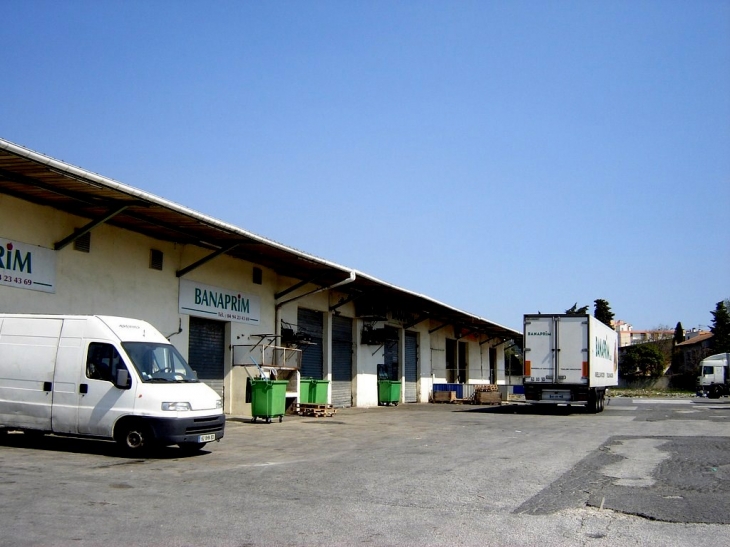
644 472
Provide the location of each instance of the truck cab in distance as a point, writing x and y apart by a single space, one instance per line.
713 381
102 377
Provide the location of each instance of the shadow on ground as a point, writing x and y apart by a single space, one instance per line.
544 410
53 443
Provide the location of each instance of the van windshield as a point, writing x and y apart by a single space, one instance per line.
159 362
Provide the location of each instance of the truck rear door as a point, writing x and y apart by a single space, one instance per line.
539 346
572 349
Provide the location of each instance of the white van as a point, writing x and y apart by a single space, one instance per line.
105 377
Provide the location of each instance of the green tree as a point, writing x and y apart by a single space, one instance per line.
678 333
575 310
677 356
642 360
603 312
721 328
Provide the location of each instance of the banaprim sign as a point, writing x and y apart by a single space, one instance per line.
218 303
26 266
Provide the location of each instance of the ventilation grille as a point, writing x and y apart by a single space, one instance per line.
83 243
155 259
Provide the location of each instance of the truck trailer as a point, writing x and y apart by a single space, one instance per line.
102 377
569 360
713 381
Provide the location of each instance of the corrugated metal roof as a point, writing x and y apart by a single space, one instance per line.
40 179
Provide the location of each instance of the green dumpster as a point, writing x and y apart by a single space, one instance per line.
388 392
304 389
268 398
313 391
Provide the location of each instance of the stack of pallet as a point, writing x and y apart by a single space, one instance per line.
487 394
315 409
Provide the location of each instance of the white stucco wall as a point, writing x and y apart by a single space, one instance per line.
115 279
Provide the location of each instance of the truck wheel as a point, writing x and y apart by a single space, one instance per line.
715 393
135 438
601 401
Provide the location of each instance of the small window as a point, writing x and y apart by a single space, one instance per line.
155 259
83 243
257 276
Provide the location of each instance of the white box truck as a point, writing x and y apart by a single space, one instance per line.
569 359
714 380
104 377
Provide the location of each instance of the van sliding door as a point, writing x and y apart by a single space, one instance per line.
27 357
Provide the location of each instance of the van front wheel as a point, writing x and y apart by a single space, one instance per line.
135 438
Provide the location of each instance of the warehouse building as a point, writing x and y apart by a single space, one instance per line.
233 302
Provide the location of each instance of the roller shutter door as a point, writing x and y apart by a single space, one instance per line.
341 361
310 322
206 351
411 367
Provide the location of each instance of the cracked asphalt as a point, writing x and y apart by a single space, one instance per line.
644 472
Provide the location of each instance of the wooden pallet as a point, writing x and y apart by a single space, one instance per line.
316 410
444 396
487 398
486 388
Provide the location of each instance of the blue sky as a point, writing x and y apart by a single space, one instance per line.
503 157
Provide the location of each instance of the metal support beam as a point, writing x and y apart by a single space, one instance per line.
414 322
438 328
296 286
347 300
205 259
86 229
350 279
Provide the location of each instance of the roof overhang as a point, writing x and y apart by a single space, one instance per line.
39 179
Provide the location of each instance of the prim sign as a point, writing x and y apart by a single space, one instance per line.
26 266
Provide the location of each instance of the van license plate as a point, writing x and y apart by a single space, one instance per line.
206 438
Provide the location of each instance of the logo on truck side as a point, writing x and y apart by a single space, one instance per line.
540 333
603 349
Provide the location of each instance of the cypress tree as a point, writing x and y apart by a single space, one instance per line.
603 312
720 328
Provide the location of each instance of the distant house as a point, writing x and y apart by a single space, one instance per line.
695 348
627 336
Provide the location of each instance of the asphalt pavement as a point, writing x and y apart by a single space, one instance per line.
643 472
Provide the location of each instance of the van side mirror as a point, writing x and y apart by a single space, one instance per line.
122 379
